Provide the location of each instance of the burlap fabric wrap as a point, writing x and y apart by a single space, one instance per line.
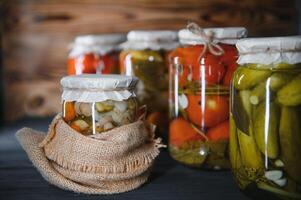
115 161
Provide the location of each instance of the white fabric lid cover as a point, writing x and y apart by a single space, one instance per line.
154 40
269 50
227 35
98 44
97 88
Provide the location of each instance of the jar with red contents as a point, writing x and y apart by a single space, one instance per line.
200 73
91 54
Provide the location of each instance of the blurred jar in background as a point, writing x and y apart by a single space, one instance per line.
200 74
145 56
92 54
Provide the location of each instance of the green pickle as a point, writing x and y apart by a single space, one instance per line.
265 131
290 94
258 93
245 78
290 140
278 80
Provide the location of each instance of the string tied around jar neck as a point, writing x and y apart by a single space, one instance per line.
209 44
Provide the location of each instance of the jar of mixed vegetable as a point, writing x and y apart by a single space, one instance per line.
145 56
199 95
92 54
265 119
96 103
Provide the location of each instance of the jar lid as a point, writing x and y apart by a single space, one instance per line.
97 88
227 35
270 50
97 44
115 38
154 40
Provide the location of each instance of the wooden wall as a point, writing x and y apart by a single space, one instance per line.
36 34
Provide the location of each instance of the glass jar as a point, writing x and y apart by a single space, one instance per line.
265 128
96 103
199 98
145 56
92 54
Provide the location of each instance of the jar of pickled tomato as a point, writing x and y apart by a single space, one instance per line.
92 54
265 118
145 56
95 103
199 96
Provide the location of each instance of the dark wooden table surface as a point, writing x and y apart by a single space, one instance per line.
169 180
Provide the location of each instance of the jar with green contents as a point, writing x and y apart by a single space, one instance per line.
145 56
265 118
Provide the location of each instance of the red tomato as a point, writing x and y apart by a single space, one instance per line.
219 132
183 69
107 64
230 53
231 67
216 110
212 68
83 64
180 131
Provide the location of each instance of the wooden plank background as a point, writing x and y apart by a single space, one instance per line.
36 35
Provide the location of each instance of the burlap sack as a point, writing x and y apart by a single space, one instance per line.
115 161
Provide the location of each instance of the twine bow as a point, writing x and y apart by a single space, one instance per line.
210 45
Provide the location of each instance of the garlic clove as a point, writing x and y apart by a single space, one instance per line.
279 163
117 117
76 108
86 109
281 182
121 106
108 126
183 101
102 121
273 175
81 124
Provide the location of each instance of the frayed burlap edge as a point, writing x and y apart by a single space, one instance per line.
30 140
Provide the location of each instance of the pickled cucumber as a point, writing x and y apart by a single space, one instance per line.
148 56
258 93
103 107
276 66
278 80
245 78
290 94
233 144
250 155
245 96
266 128
240 113
235 157
290 141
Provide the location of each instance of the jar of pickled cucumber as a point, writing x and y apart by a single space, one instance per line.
199 96
145 56
265 118
92 54
95 103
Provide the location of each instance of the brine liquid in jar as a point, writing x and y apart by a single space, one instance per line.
199 101
265 136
